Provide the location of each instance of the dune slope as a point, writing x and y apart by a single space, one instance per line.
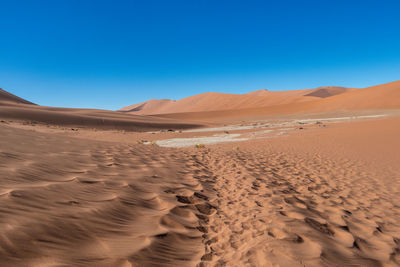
15 108
375 98
384 96
220 101
10 98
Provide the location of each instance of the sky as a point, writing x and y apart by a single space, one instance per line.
110 54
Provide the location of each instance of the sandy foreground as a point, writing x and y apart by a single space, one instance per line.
319 196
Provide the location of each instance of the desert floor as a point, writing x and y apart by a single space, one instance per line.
308 196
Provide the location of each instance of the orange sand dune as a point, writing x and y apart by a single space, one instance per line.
384 96
221 101
261 92
380 97
15 108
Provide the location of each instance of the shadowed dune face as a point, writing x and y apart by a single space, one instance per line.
324 92
15 108
12 99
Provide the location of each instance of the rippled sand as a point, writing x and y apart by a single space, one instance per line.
316 197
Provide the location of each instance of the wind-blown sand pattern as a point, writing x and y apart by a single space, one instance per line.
71 202
92 188
66 202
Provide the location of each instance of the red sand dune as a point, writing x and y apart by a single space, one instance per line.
381 97
221 101
384 96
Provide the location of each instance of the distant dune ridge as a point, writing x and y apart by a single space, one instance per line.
195 111
222 101
218 107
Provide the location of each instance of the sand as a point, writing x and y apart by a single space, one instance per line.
69 202
85 187
324 196
89 118
313 199
8 98
221 101
217 108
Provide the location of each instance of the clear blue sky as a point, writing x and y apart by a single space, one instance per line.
109 54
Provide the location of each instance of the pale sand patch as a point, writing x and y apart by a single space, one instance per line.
344 118
285 123
206 140
260 131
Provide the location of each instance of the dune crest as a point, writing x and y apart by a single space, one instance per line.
9 98
152 104
259 92
222 101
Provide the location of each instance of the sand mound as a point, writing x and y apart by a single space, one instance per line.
10 98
